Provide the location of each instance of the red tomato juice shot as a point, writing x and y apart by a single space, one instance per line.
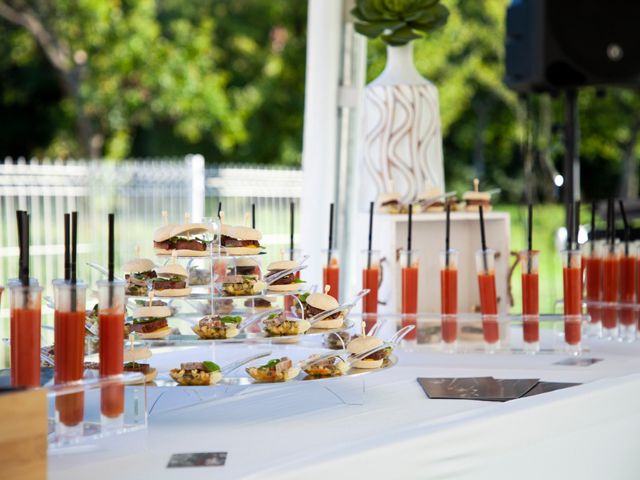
69 366
331 275
409 290
25 347
370 279
627 289
610 282
488 299
530 307
449 295
572 289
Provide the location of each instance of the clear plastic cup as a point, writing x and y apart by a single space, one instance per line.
25 323
69 328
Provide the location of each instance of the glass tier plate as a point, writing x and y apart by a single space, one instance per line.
208 296
185 340
165 381
215 255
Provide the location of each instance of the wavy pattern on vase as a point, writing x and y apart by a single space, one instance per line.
403 144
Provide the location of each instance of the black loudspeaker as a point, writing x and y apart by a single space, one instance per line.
558 44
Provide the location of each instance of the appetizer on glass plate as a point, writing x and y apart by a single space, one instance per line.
216 327
279 325
320 303
275 370
197 373
332 366
138 273
186 240
282 276
151 322
240 240
238 285
171 281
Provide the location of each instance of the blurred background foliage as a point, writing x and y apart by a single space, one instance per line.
225 78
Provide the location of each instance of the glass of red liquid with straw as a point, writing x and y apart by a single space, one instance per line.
529 261
449 297
111 311
627 295
592 266
610 292
572 288
25 321
485 267
371 281
331 271
69 327
409 267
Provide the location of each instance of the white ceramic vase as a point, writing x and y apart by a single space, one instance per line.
402 150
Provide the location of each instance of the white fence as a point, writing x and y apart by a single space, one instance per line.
138 191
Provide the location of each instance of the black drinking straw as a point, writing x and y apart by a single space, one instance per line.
67 248
291 230
370 235
446 236
593 225
409 228
627 228
111 242
576 225
253 215
529 237
20 233
611 225
219 209
483 239
74 246
330 234
24 249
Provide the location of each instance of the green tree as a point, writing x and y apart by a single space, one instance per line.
120 68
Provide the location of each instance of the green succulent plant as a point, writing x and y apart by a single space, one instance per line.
398 22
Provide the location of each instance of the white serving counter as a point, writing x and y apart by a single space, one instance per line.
588 432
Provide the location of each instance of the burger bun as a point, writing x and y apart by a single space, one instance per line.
174 292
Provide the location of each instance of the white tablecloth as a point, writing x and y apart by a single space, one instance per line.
589 431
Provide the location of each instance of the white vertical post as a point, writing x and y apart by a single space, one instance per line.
196 164
324 43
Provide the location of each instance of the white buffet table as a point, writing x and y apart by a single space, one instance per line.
589 431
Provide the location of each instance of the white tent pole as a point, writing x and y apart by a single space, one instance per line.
324 44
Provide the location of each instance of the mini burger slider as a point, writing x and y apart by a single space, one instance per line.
171 281
364 344
197 373
132 358
240 240
132 363
431 201
138 272
244 266
390 203
151 322
476 198
183 239
287 283
317 304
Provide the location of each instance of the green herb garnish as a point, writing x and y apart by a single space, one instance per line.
303 297
231 319
299 280
210 366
